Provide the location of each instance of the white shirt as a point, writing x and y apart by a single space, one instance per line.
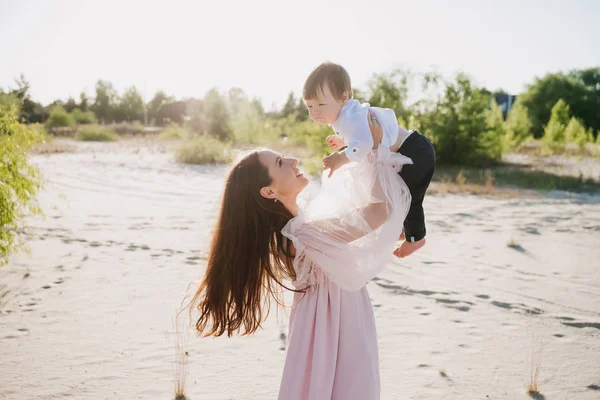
353 126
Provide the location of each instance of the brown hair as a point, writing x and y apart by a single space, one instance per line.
330 74
248 258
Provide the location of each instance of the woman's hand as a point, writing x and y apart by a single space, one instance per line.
376 129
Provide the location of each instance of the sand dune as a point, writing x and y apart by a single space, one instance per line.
89 313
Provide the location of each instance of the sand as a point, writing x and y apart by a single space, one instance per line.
89 313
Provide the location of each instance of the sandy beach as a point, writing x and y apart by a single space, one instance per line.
89 313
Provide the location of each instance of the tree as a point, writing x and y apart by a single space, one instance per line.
577 89
390 91
19 179
460 125
30 111
589 113
59 118
289 107
172 112
70 105
216 115
518 125
554 132
575 132
83 117
195 112
83 102
492 140
155 105
106 100
131 106
236 98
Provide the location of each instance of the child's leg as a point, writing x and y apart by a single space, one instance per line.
417 177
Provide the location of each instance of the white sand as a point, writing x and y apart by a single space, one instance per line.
127 230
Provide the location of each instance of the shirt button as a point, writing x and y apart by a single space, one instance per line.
354 150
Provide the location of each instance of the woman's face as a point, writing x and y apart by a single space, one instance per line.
287 180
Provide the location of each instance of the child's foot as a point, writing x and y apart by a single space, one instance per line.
402 237
407 248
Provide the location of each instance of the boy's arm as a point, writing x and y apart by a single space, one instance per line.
359 138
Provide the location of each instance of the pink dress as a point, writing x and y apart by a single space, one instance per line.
340 245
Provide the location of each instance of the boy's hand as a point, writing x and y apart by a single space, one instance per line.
335 142
334 161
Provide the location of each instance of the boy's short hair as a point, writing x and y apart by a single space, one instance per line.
330 74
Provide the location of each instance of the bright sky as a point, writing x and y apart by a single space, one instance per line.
267 47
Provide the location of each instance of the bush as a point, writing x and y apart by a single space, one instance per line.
174 131
59 118
554 132
313 136
518 125
458 124
96 133
84 117
19 180
204 149
130 128
575 133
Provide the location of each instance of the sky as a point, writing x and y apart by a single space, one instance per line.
268 47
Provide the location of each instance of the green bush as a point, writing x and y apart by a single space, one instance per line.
518 125
204 149
174 131
575 133
127 128
458 124
59 118
84 117
96 133
19 180
312 135
554 132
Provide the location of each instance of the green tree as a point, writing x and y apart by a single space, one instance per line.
70 105
195 113
518 125
492 140
59 118
216 115
84 102
19 180
577 89
106 100
575 132
83 117
155 105
458 123
131 105
390 90
554 132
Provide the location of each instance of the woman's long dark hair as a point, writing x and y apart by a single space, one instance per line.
249 257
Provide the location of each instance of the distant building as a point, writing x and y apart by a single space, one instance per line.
505 101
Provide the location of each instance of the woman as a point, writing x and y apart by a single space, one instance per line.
329 250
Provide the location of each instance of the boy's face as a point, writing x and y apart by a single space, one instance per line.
325 109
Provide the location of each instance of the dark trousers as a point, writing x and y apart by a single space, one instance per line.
417 177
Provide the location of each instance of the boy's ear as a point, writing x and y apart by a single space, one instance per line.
345 96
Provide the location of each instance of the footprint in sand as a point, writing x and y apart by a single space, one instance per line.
482 296
583 324
593 387
559 335
46 287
